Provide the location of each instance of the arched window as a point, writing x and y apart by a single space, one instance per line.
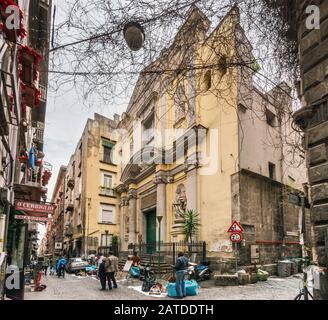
207 81
222 67
179 103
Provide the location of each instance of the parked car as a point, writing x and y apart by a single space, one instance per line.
76 264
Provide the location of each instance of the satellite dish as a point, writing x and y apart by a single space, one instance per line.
134 35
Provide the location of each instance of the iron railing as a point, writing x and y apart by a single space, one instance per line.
171 249
103 251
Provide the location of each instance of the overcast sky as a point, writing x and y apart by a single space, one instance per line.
65 120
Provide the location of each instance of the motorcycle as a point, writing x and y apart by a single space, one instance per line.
148 277
199 272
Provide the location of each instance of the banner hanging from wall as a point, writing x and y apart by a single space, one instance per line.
31 218
35 208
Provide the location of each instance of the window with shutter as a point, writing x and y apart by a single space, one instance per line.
106 240
107 154
107 214
107 180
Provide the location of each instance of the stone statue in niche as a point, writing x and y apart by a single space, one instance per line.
180 203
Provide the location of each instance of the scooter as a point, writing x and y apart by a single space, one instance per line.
146 272
148 277
199 272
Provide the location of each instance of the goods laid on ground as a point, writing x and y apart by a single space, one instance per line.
120 275
262 275
253 278
157 289
192 289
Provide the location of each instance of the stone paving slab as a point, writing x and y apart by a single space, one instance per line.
77 288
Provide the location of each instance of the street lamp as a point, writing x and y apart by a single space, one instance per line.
134 35
159 219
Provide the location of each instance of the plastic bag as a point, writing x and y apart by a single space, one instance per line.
192 288
171 290
262 275
135 272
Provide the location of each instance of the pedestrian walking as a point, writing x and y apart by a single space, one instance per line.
136 259
61 267
102 274
181 267
52 265
111 269
46 264
37 274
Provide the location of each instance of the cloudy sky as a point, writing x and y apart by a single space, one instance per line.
65 120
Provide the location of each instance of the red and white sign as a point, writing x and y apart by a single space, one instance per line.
34 207
29 218
236 237
235 227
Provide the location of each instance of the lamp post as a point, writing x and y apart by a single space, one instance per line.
159 219
106 232
134 35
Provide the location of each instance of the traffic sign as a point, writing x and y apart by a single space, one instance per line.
235 227
236 237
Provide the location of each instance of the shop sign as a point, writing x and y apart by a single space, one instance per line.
31 218
34 207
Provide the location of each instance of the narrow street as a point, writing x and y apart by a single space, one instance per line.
76 288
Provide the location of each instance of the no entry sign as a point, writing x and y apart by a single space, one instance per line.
236 237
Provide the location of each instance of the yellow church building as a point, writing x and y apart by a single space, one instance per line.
197 135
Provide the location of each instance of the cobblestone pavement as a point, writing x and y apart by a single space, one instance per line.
78 288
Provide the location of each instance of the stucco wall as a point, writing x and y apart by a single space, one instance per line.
268 217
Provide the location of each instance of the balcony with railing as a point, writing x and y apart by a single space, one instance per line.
31 179
107 192
38 133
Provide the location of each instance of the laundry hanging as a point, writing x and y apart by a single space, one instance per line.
32 158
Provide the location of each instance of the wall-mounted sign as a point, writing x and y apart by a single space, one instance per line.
30 218
58 245
34 207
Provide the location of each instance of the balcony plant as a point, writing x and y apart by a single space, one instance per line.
40 155
46 177
28 94
29 61
38 162
23 157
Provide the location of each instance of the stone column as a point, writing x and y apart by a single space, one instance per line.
161 179
132 196
191 166
124 204
191 169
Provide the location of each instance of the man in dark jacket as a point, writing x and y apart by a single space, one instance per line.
61 265
181 267
102 274
111 269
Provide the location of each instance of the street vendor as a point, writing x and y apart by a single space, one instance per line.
135 259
